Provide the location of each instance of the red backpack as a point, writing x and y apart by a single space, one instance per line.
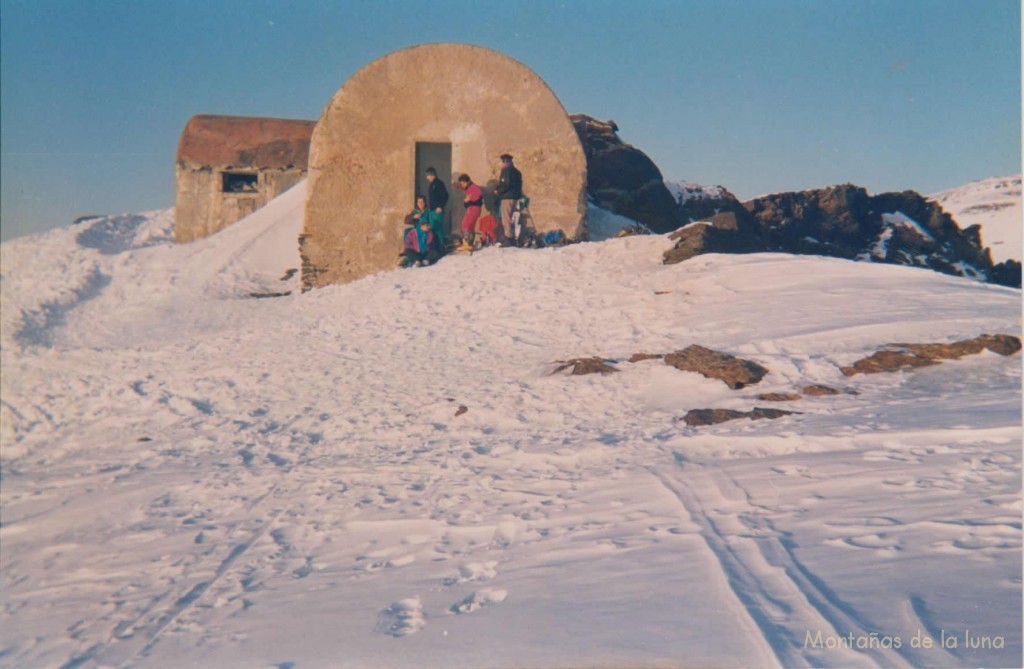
487 229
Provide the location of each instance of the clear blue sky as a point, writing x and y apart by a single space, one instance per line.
757 95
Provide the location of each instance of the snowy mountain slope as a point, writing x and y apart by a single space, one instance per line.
995 205
192 477
57 276
683 191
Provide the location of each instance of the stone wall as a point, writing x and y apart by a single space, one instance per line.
273 151
363 152
202 208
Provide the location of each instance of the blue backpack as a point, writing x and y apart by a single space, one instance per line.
554 238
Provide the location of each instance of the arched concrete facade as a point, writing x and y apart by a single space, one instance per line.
363 155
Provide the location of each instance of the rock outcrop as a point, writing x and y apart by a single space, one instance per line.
581 366
623 179
738 373
701 417
1006 273
695 202
896 357
780 397
846 222
724 232
734 372
842 221
817 390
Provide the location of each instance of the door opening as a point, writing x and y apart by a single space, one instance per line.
439 156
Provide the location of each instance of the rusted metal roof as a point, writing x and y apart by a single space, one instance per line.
244 141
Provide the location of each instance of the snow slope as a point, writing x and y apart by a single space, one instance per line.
684 191
196 477
603 225
995 205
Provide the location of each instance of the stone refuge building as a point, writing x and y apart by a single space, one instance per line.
229 166
454 107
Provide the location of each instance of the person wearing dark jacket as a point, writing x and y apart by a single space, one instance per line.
437 194
510 189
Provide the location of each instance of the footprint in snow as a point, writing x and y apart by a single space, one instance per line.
391 563
474 571
404 617
864 521
792 470
880 543
479 599
890 456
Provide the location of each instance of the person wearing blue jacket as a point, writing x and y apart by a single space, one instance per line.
423 239
421 213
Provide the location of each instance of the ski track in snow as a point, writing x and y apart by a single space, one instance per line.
192 477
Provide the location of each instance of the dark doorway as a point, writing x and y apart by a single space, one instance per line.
439 156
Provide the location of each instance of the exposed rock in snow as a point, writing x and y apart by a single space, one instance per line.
841 221
818 390
701 417
906 356
780 397
734 372
846 222
582 366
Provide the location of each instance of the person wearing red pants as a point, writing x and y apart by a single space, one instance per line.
474 201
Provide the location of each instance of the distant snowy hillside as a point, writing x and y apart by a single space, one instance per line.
388 473
684 191
995 205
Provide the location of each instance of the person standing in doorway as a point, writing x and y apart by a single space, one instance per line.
474 202
508 192
437 194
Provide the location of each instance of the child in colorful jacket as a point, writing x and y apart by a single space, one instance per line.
421 213
420 244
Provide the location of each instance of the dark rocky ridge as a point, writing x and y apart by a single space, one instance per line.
845 221
623 179
842 221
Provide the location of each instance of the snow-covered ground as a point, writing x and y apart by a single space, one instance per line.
385 473
603 225
995 205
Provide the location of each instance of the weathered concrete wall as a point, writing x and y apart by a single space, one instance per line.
202 208
277 150
363 151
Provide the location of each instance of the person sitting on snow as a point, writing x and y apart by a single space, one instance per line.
421 213
420 245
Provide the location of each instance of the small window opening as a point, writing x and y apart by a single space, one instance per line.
240 182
